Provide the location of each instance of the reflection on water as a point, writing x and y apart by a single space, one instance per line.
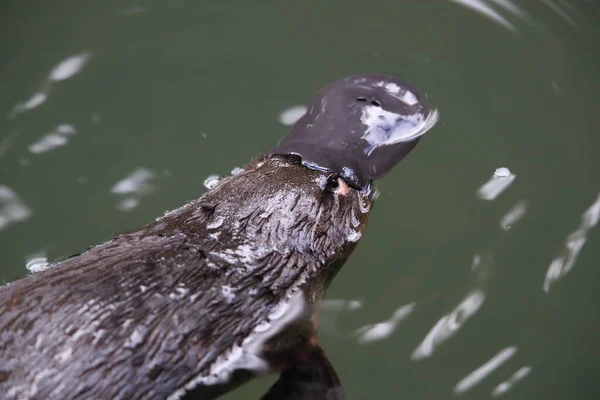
12 209
64 70
7 141
331 312
133 187
381 330
562 13
482 372
508 384
561 265
486 9
448 325
513 215
57 138
498 183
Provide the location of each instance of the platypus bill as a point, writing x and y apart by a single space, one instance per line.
226 287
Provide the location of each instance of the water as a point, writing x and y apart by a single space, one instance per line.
502 291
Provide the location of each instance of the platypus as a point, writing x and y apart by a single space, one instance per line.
228 286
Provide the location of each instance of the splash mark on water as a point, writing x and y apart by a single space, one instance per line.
133 187
381 330
561 265
449 324
505 386
12 209
292 114
479 374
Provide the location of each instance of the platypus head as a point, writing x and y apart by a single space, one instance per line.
310 196
359 127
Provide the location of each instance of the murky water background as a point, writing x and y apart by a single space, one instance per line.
465 284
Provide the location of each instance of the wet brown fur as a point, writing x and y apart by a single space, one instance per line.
143 314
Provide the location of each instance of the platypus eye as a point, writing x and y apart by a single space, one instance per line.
336 185
333 182
376 103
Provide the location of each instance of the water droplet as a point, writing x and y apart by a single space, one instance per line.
36 263
501 172
211 181
237 170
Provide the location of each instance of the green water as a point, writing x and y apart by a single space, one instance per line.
188 89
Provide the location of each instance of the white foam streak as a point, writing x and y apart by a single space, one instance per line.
448 325
478 375
561 265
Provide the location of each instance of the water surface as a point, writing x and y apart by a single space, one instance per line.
114 112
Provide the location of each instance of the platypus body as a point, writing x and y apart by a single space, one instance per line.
226 287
